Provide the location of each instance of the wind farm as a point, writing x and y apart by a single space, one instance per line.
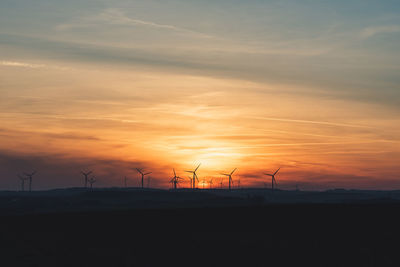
115 214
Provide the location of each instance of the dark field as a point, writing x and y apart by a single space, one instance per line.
201 230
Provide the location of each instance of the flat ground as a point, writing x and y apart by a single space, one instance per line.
223 231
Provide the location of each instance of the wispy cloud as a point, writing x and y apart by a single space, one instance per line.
21 64
30 65
371 31
311 122
114 16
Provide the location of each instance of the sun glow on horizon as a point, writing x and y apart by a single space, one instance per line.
112 88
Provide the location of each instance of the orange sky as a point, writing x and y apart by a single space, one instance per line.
162 120
254 85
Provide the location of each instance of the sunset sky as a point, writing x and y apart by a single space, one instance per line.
310 86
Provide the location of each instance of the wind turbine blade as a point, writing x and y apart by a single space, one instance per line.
174 173
139 170
147 173
197 167
267 174
233 171
225 174
190 171
277 171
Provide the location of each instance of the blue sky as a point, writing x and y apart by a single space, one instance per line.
348 45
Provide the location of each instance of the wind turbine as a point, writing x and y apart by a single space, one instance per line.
210 183
230 177
29 176
194 177
143 175
91 181
273 181
86 174
203 182
125 181
23 179
175 180
148 181
190 180
221 182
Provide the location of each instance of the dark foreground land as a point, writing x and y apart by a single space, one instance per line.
224 231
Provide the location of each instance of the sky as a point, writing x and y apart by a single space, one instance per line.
311 87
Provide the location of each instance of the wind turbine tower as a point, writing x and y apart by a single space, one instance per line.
148 181
23 179
190 181
230 178
175 180
86 175
194 178
29 176
143 175
273 180
210 183
91 181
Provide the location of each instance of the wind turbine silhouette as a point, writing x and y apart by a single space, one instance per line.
190 180
143 175
204 182
175 181
210 183
92 180
23 179
230 177
29 176
194 177
125 181
273 181
148 181
221 182
86 174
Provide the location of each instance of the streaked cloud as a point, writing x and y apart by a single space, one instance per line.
21 64
114 16
327 123
372 31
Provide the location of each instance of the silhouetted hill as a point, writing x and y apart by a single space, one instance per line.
78 199
252 227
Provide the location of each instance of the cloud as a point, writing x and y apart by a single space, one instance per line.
372 31
21 64
30 65
114 16
62 135
312 122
